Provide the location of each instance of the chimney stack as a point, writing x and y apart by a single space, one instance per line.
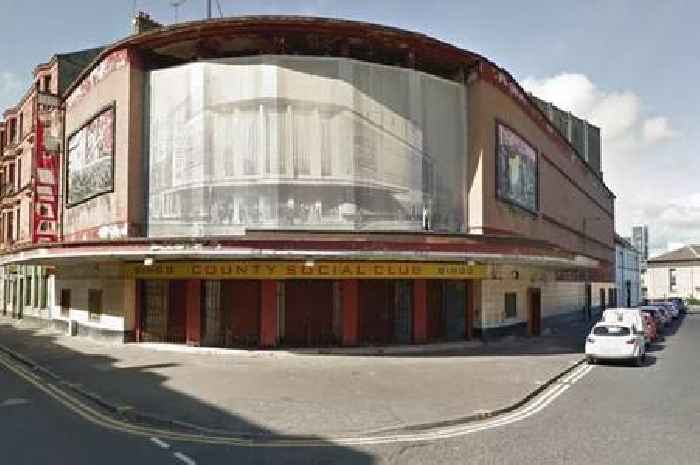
142 22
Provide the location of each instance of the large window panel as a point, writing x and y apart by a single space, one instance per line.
293 142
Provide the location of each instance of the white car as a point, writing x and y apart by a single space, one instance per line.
625 316
615 341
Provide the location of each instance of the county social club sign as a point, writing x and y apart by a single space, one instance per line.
299 269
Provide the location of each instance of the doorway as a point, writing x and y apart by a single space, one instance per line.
534 311
628 289
589 301
602 300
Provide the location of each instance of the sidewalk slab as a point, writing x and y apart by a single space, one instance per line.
298 392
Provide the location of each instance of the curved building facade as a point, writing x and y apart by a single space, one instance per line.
290 181
292 142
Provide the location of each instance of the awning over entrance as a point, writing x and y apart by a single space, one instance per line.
397 248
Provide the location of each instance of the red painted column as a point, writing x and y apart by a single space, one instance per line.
268 313
351 311
138 309
420 311
469 320
193 306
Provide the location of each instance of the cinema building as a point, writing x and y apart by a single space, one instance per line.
293 181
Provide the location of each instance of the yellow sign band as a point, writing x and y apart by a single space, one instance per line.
302 270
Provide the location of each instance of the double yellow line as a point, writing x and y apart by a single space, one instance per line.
114 424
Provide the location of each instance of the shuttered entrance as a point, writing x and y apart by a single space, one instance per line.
446 310
435 310
164 311
403 312
240 307
177 313
308 313
154 319
385 311
376 311
455 310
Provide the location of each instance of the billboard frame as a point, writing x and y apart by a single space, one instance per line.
110 106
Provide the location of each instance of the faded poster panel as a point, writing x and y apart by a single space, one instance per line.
516 170
303 143
91 159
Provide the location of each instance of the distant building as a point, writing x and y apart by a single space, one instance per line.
674 274
627 273
640 241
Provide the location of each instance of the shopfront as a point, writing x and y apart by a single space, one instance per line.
297 304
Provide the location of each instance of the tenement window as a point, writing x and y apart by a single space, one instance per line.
672 279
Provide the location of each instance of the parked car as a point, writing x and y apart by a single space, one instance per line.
658 317
675 312
615 341
665 313
672 307
625 315
650 334
680 303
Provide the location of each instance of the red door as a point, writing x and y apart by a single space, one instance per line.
435 310
534 303
177 312
376 311
308 312
240 307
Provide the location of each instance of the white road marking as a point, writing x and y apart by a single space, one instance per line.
581 374
160 443
11 402
538 405
184 458
534 406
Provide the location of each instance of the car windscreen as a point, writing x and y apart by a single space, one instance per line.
611 331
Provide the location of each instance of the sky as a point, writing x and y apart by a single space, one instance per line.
628 66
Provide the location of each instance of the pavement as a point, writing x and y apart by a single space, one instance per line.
288 393
35 429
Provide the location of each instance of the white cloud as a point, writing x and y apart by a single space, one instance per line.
671 222
657 129
631 151
617 113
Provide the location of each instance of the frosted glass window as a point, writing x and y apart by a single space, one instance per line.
295 142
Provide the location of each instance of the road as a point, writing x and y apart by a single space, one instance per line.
615 414
36 429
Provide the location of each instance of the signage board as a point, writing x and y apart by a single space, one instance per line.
262 269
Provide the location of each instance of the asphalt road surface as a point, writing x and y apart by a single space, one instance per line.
615 414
